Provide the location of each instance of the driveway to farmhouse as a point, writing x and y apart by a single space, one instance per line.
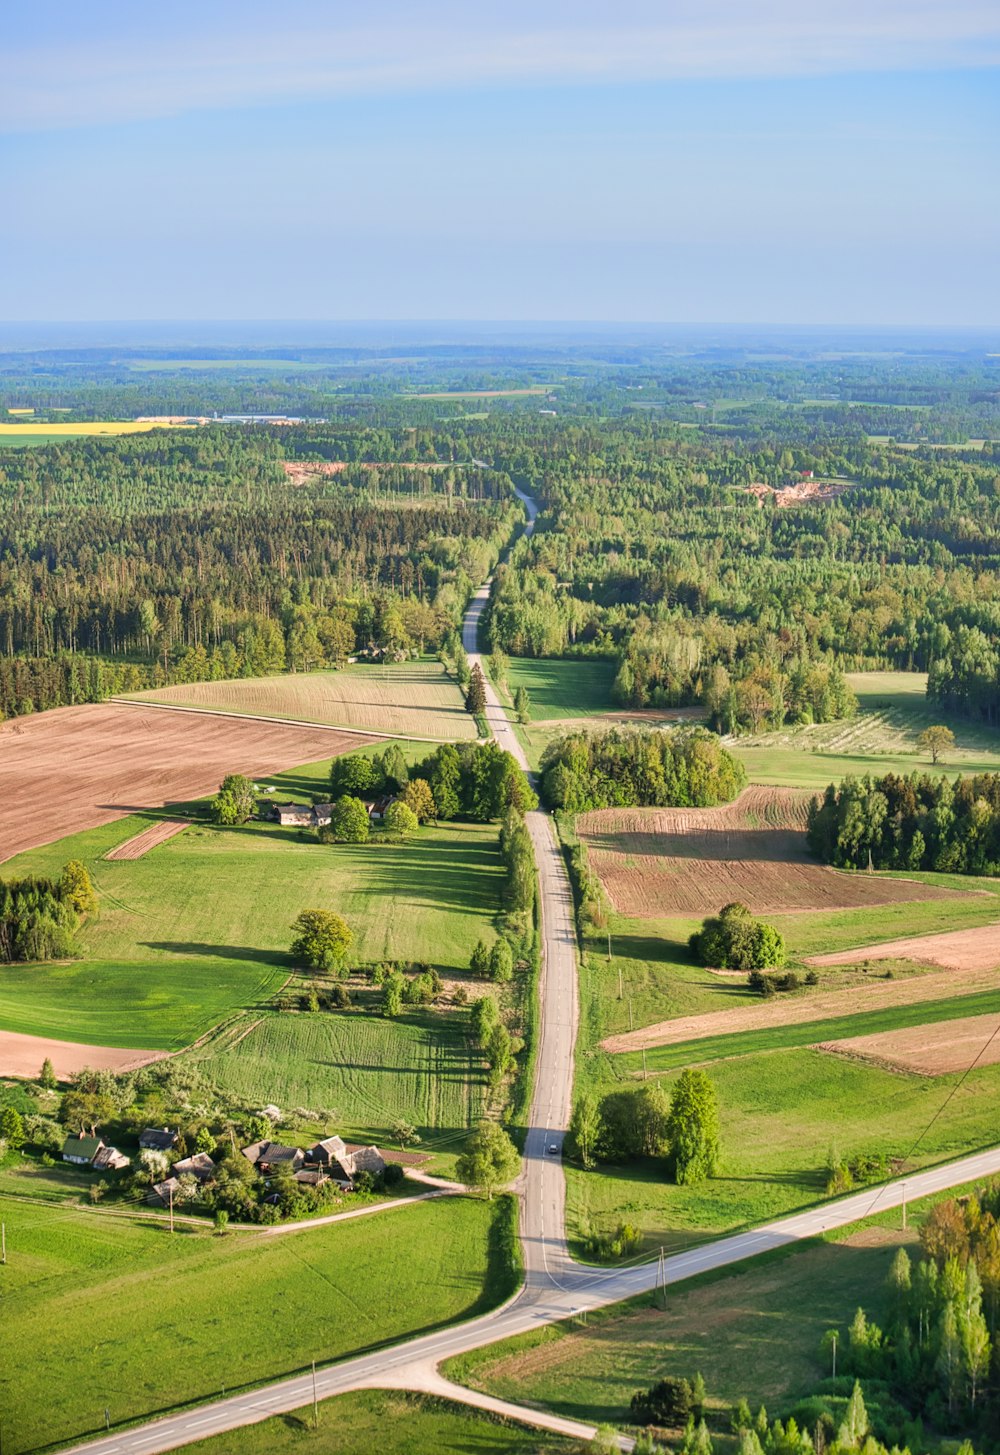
555 1288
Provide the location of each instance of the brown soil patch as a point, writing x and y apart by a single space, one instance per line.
977 949
931 1050
76 767
22 1055
787 1010
141 843
655 862
804 490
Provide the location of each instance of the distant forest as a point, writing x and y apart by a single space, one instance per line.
181 555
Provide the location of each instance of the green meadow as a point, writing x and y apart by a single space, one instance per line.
199 928
185 1316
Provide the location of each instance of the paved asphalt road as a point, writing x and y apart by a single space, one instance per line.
555 1288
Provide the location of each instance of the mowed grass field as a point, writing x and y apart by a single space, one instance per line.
882 738
389 1421
184 1316
558 688
416 699
200 927
420 1068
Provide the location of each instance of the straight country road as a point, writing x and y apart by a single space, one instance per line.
555 1288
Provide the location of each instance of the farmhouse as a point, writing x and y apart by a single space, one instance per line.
157 1139
200 1166
267 1156
364 1159
330 1150
298 815
109 1159
82 1150
289 815
164 1192
376 807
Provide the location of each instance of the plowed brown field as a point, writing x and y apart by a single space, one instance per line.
975 949
931 1050
655 862
140 844
76 767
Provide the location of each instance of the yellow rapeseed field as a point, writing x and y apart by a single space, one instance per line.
98 426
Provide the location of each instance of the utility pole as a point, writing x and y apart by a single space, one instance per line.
661 1280
3 1242
644 1063
107 1418
621 987
171 1210
315 1400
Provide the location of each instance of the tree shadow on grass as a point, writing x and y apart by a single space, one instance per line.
276 958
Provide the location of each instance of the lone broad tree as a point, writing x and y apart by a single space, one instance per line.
936 740
322 939
490 1159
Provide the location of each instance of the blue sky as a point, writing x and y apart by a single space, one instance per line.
726 160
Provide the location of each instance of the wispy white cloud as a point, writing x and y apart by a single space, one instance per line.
130 69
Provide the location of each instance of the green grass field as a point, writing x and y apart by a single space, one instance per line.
102 1313
420 1068
882 738
780 1112
557 688
200 927
387 1421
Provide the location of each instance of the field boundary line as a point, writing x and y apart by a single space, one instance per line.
329 727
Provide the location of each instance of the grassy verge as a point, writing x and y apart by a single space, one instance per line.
389 1421
140 1322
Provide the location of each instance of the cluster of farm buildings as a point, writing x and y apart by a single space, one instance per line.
317 815
330 1160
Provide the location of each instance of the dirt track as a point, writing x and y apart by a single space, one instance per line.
22 1055
977 949
140 844
784 1010
76 767
655 862
932 1050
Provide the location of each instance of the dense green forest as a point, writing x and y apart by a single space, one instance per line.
664 543
910 823
143 559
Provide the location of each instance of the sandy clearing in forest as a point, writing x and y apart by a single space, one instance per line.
975 949
22 1055
140 844
656 862
931 1050
76 767
784 1010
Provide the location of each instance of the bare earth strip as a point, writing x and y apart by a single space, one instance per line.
976 949
110 760
799 1010
22 1055
140 844
932 1050
655 862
